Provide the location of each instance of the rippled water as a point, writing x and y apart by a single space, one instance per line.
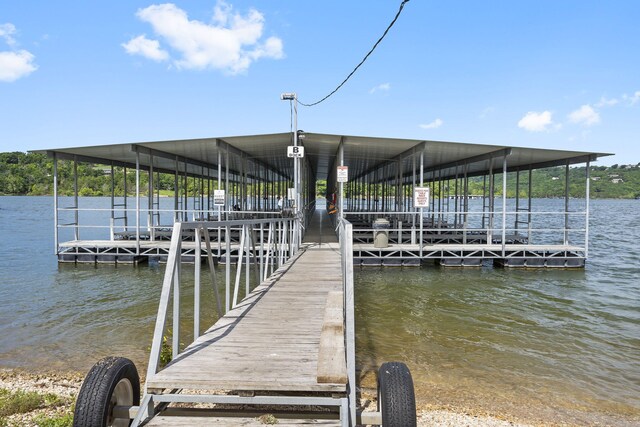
544 345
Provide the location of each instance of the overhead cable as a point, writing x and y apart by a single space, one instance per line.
361 62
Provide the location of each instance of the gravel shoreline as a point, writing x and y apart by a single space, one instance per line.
67 385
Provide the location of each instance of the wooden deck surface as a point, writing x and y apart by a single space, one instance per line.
271 340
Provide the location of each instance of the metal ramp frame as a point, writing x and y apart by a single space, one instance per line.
303 311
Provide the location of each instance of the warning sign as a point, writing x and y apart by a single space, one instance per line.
343 174
218 197
421 197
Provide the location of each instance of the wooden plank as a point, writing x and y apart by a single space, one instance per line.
334 313
332 367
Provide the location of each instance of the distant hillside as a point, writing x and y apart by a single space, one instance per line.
32 174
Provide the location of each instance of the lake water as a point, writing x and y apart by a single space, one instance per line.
541 345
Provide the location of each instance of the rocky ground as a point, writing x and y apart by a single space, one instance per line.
58 390
66 387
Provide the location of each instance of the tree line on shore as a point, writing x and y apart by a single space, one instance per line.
32 174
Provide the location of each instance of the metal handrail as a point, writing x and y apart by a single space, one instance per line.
345 235
267 258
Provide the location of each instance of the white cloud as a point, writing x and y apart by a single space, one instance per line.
632 99
381 87
231 43
585 115
6 32
536 122
141 45
604 102
433 125
14 65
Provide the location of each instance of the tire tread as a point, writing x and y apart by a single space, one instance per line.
396 395
95 393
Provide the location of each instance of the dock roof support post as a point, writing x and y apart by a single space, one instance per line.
296 165
517 209
586 216
185 202
76 231
341 186
566 204
529 225
176 193
226 184
125 205
137 202
413 185
55 202
113 202
504 204
491 202
421 209
465 203
150 192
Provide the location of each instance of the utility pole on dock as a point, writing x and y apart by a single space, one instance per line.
292 97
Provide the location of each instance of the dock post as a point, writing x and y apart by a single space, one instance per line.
421 242
586 219
566 204
76 213
504 204
55 203
137 202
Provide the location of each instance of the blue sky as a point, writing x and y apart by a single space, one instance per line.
549 74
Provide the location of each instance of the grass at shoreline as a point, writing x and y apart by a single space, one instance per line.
15 404
34 399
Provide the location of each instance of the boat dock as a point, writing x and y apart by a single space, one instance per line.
283 347
453 204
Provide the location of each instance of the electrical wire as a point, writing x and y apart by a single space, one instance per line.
361 62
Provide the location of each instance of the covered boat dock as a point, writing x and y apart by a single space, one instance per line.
410 201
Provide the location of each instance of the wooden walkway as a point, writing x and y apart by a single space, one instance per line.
271 340
286 337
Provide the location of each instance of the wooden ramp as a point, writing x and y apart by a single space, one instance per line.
281 350
273 340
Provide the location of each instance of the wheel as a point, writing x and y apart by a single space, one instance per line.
396 398
113 381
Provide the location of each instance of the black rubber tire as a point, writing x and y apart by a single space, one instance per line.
396 397
93 406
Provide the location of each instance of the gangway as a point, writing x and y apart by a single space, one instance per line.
285 352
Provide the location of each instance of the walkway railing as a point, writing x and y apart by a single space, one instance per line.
345 234
264 245
541 227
